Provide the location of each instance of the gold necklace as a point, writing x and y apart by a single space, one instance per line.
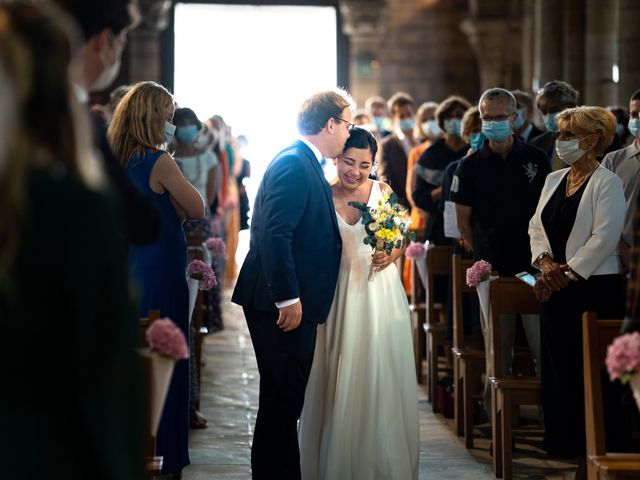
574 186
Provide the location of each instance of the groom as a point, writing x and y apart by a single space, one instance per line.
288 278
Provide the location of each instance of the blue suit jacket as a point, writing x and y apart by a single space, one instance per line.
295 242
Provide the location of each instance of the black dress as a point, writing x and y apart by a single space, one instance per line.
561 338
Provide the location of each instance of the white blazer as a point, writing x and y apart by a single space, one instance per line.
592 247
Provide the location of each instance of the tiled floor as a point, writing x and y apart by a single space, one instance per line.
229 402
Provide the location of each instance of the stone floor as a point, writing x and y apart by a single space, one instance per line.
229 401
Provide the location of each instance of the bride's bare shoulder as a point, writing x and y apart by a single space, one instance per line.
384 187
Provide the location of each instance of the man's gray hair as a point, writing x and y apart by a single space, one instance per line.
498 93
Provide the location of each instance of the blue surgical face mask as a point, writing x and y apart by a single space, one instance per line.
634 126
550 122
619 129
519 119
378 122
453 126
496 131
477 140
169 130
407 124
431 129
187 134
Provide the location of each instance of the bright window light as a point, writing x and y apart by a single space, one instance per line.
615 73
254 65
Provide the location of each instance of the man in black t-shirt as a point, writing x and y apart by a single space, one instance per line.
496 191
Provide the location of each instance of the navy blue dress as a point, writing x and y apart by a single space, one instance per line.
158 271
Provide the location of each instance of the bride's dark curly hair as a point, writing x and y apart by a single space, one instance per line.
362 139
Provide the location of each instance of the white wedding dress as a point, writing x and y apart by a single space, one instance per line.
360 415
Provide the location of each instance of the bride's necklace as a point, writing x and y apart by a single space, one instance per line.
572 186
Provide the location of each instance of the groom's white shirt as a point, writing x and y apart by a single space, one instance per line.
316 152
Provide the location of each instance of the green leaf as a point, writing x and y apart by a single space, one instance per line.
393 199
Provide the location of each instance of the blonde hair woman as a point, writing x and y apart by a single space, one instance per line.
80 328
139 129
574 242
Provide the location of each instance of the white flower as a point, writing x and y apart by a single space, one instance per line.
373 226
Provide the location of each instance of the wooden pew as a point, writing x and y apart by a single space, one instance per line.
438 264
596 336
153 463
508 296
417 307
468 362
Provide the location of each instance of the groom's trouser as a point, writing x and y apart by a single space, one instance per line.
284 362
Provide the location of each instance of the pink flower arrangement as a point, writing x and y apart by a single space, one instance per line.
217 246
478 272
623 356
201 271
415 250
167 339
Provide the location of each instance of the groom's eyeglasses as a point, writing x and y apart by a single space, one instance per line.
349 124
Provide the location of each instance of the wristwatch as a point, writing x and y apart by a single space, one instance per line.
570 275
541 256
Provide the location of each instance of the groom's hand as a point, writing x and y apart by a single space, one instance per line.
290 317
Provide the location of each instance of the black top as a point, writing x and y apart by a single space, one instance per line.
429 172
503 194
558 217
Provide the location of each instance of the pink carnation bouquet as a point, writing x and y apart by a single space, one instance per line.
478 272
204 273
415 250
217 246
165 338
623 357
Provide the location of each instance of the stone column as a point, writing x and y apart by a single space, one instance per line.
600 52
487 38
628 43
548 42
364 21
144 42
573 54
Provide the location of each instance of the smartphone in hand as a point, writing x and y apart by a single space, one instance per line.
527 278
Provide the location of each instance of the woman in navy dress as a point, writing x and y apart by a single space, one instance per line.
140 126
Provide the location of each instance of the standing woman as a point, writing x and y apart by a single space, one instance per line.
68 366
574 242
140 127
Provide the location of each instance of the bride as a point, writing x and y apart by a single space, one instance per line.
360 415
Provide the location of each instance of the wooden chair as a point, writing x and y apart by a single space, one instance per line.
468 362
596 336
438 264
417 307
153 463
508 296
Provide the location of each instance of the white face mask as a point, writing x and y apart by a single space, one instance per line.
109 74
431 129
569 151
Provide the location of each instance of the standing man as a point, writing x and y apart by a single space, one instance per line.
626 164
105 25
288 278
524 126
496 191
552 98
394 150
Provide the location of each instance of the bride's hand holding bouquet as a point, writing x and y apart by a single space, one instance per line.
387 230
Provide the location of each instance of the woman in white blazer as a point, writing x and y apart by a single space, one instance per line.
574 240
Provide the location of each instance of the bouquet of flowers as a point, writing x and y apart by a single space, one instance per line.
165 338
217 246
623 361
199 270
623 357
386 225
478 272
415 250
